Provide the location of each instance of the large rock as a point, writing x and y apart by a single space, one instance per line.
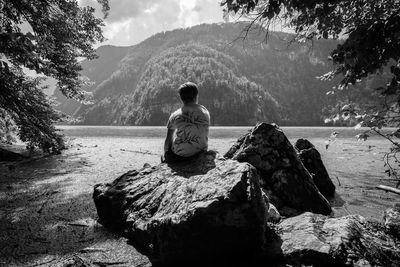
311 159
284 178
317 240
391 219
207 209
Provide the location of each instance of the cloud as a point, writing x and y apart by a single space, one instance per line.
131 21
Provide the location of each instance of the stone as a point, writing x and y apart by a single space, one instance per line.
273 214
205 209
284 178
311 159
391 219
317 240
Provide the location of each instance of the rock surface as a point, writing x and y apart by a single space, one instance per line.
273 214
213 211
284 178
391 219
317 240
311 159
205 209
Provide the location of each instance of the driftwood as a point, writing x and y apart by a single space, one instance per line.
388 188
146 152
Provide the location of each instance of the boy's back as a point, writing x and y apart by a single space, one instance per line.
191 123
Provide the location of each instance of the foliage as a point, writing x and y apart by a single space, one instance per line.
370 45
7 128
23 96
59 33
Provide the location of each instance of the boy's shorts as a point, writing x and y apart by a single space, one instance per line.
170 157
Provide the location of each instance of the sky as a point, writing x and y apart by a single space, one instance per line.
131 21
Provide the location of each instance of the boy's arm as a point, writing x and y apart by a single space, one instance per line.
168 140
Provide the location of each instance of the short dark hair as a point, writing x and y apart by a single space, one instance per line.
188 92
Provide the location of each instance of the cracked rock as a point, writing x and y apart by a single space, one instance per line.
207 209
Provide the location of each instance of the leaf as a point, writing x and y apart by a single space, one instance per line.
346 108
336 118
396 133
346 116
29 35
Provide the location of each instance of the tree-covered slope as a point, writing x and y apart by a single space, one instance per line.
97 70
240 83
231 98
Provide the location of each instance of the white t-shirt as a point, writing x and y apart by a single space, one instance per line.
191 136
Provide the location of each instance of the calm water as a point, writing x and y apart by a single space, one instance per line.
215 132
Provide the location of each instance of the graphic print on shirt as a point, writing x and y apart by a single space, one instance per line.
191 131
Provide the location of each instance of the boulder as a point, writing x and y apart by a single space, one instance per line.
273 214
205 209
311 159
391 219
317 240
284 178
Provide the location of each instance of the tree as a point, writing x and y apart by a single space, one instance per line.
59 33
370 44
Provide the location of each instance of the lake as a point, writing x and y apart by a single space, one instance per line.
215 132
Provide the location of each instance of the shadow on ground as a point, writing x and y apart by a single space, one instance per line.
41 221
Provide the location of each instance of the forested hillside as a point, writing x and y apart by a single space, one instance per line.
240 83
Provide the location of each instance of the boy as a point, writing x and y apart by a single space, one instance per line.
188 127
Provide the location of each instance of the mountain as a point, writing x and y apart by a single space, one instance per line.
240 82
97 70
